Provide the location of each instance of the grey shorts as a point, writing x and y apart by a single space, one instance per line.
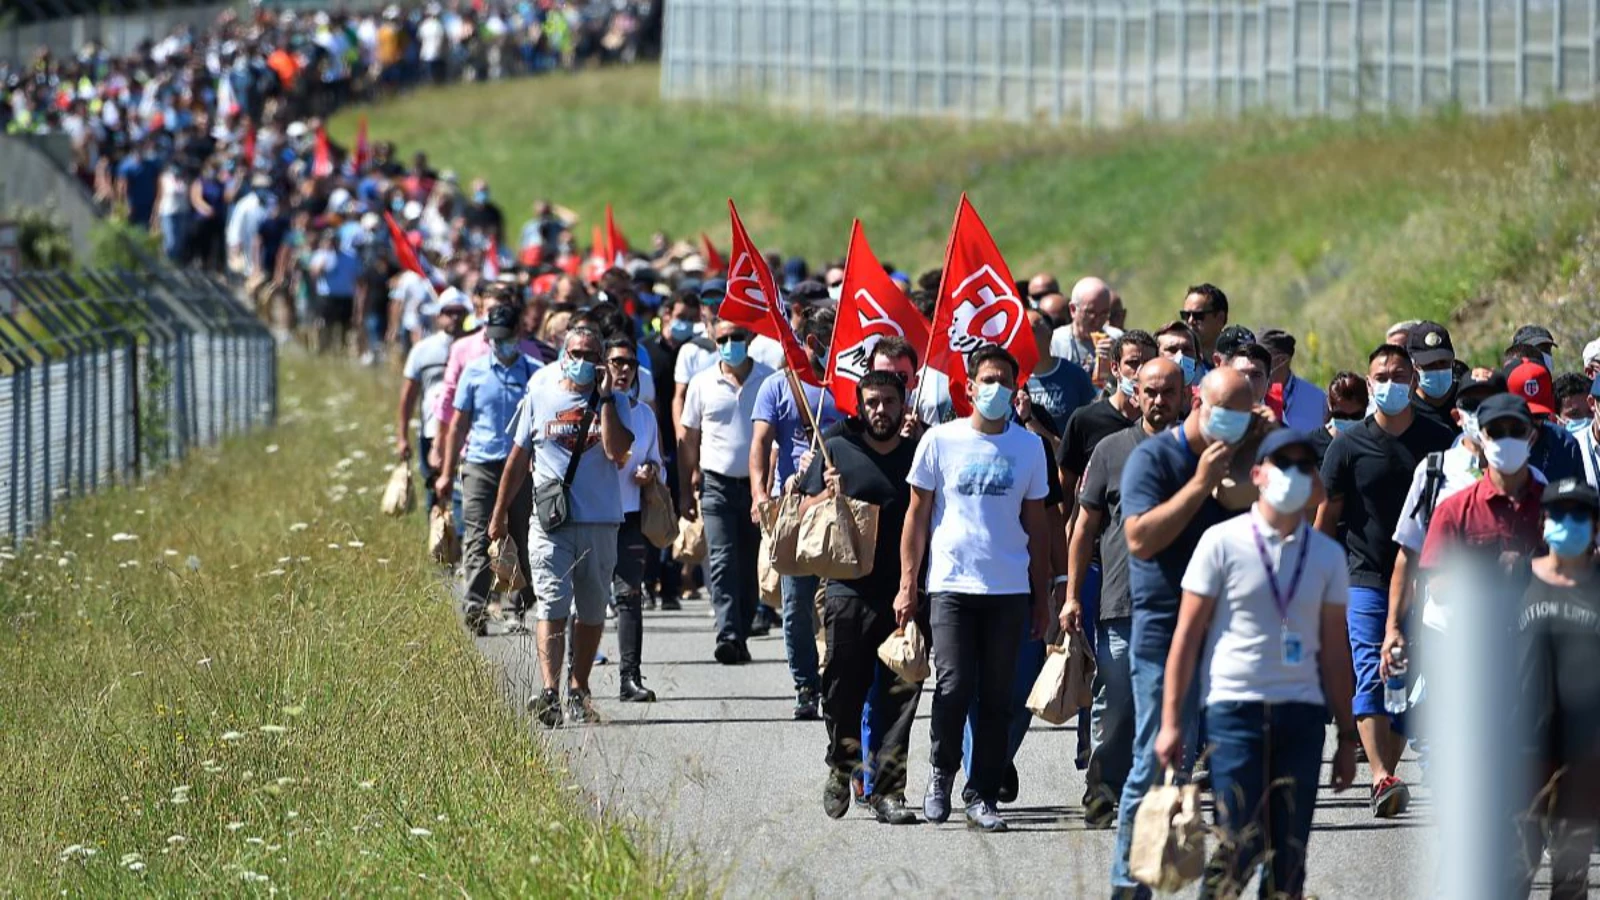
572 568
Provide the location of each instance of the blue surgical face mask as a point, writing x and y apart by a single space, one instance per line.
1392 397
1578 426
1570 535
1189 365
1434 384
993 401
506 350
397 205
480 196
1127 386
1340 426
1225 425
682 330
733 352
580 371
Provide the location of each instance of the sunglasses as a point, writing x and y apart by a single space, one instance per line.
1194 315
1303 463
1509 431
623 362
736 336
584 356
834 284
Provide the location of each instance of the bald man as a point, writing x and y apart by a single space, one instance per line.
1168 501
1162 400
1042 284
1056 306
1091 309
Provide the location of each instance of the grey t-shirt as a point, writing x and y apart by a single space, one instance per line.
1102 492
546 425
425 365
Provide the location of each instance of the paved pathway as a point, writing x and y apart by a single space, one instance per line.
718 763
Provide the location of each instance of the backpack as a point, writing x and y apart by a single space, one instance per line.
1432 484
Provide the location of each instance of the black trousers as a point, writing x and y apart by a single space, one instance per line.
626 589
855 628
975 643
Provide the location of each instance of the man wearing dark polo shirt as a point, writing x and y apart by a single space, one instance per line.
1168 501
1367 473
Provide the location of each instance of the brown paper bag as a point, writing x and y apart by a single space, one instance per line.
443 545
838 539
786 535
1169 837
1080 672
508 575
398 496
906 654
768 579
1048 700
657 517
690 546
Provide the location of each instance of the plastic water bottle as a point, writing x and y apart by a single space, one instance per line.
1394 687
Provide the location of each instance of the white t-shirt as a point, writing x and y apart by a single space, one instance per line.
411 290
723 413
425 365
1245 656
1588 447
430 38
646 448
693 359
767 351
978 544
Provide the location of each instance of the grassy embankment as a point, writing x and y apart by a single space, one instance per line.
241 678
1332 228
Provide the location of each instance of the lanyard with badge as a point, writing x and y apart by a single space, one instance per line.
1293 644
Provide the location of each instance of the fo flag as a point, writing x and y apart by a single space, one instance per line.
977 307
616 244
753 301
870 307
321 156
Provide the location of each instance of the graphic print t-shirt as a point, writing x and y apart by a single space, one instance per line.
547 425
978 545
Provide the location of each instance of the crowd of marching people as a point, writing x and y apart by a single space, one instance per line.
1041 471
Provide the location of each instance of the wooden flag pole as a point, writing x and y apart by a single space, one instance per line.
798 389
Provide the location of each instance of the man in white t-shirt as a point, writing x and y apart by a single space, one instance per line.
977 510
714 462
424 380
1264 597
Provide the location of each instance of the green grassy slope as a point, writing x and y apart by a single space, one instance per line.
241 679
1335 228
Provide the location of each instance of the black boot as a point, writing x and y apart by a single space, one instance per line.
632 689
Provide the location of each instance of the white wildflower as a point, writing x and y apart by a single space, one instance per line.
235 826
169 552
273 729
365 785
274 572
333 546
193 562
272 448
63 562
203 661
421 832
299 526
123 537
176 840
255 841
232 736
357 545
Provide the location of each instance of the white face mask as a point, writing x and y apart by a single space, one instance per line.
1286 491
1508 455
835 292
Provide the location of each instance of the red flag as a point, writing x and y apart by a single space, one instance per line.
321 157
616 244
363 149
753 301
977 306
406 256
598 262
250 147
871 306
714 263
491 260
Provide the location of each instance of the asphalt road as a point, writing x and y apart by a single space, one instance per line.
718 766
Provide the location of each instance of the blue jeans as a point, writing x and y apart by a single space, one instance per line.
1089 596
873 728
1256 747
1149 676
732 541
174 228
799 641
1112 714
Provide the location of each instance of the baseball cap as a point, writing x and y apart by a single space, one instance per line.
1477 385
451 298
502 323
1501 407
1428 343
1281 439
1591 352
1531 381
1233 337
1534 335
713 287
1571 492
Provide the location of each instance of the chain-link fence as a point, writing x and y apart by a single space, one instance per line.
1103 62
106 375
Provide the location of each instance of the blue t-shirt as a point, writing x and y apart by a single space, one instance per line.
142 175
1156 470
1556 453
338 278
775 404
1059 392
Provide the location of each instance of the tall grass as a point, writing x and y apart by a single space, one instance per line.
1334 228
240 678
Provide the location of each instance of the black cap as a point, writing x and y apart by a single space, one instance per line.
1232 338
1478 385
1281 439
1503 406
1571 492
1277 341
502 323
1429 342
1534 335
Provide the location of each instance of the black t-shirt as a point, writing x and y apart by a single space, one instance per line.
1371 470
663 359
1102 492
1089 426
1437 414
1320 440
487 217
1560 684
879 479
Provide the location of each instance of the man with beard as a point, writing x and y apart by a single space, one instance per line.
870 463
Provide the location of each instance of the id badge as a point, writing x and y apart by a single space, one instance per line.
1293 648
